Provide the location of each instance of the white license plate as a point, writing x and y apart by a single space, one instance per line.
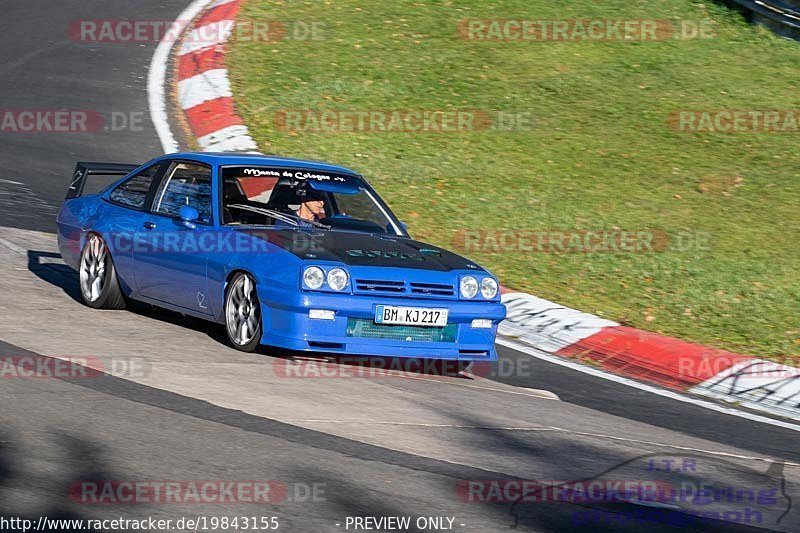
410 316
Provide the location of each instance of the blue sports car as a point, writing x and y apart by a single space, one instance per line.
288 253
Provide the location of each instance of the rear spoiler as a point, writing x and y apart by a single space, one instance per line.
83 170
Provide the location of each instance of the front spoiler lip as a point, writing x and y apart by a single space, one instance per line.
367 347
287 325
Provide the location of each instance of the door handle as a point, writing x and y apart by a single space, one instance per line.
149 225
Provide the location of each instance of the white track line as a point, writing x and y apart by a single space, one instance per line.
157 78
201 88
643 386
231 139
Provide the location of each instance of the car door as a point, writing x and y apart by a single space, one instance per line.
123 216
171 255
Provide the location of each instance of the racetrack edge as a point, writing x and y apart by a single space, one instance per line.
208 105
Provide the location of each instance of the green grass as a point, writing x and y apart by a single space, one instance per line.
600 154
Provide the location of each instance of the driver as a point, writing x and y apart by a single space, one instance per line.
312 207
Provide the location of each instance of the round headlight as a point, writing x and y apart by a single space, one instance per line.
488 288
313 277
469 287
337 279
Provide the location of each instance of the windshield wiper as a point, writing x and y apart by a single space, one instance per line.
285 217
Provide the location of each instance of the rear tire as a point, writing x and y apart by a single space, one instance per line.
97 276
243 313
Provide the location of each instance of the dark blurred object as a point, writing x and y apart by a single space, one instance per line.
780 16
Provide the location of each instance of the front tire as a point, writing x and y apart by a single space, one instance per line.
98 277
243 313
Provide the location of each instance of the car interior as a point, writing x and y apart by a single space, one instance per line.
285 197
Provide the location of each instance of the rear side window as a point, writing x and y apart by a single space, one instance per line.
185 184
133 191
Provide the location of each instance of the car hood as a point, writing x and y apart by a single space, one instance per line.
364 249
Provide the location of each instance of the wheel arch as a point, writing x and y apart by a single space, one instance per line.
231 273
228 277
87 234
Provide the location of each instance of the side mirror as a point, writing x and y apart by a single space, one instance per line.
188 216
404 226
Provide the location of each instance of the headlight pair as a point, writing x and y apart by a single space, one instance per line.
315 278
469 287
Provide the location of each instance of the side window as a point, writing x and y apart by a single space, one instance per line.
185 184
133 191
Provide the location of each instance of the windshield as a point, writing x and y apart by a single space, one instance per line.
273 196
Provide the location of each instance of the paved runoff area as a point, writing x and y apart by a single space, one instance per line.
140 395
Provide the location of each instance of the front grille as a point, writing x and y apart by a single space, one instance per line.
433 289
372 285
400 288
365 328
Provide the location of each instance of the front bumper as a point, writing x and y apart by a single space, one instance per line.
286 323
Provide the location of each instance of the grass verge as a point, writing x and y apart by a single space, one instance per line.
599 155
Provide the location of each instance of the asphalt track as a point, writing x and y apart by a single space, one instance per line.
374 446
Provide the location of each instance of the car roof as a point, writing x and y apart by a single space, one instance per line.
230 158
